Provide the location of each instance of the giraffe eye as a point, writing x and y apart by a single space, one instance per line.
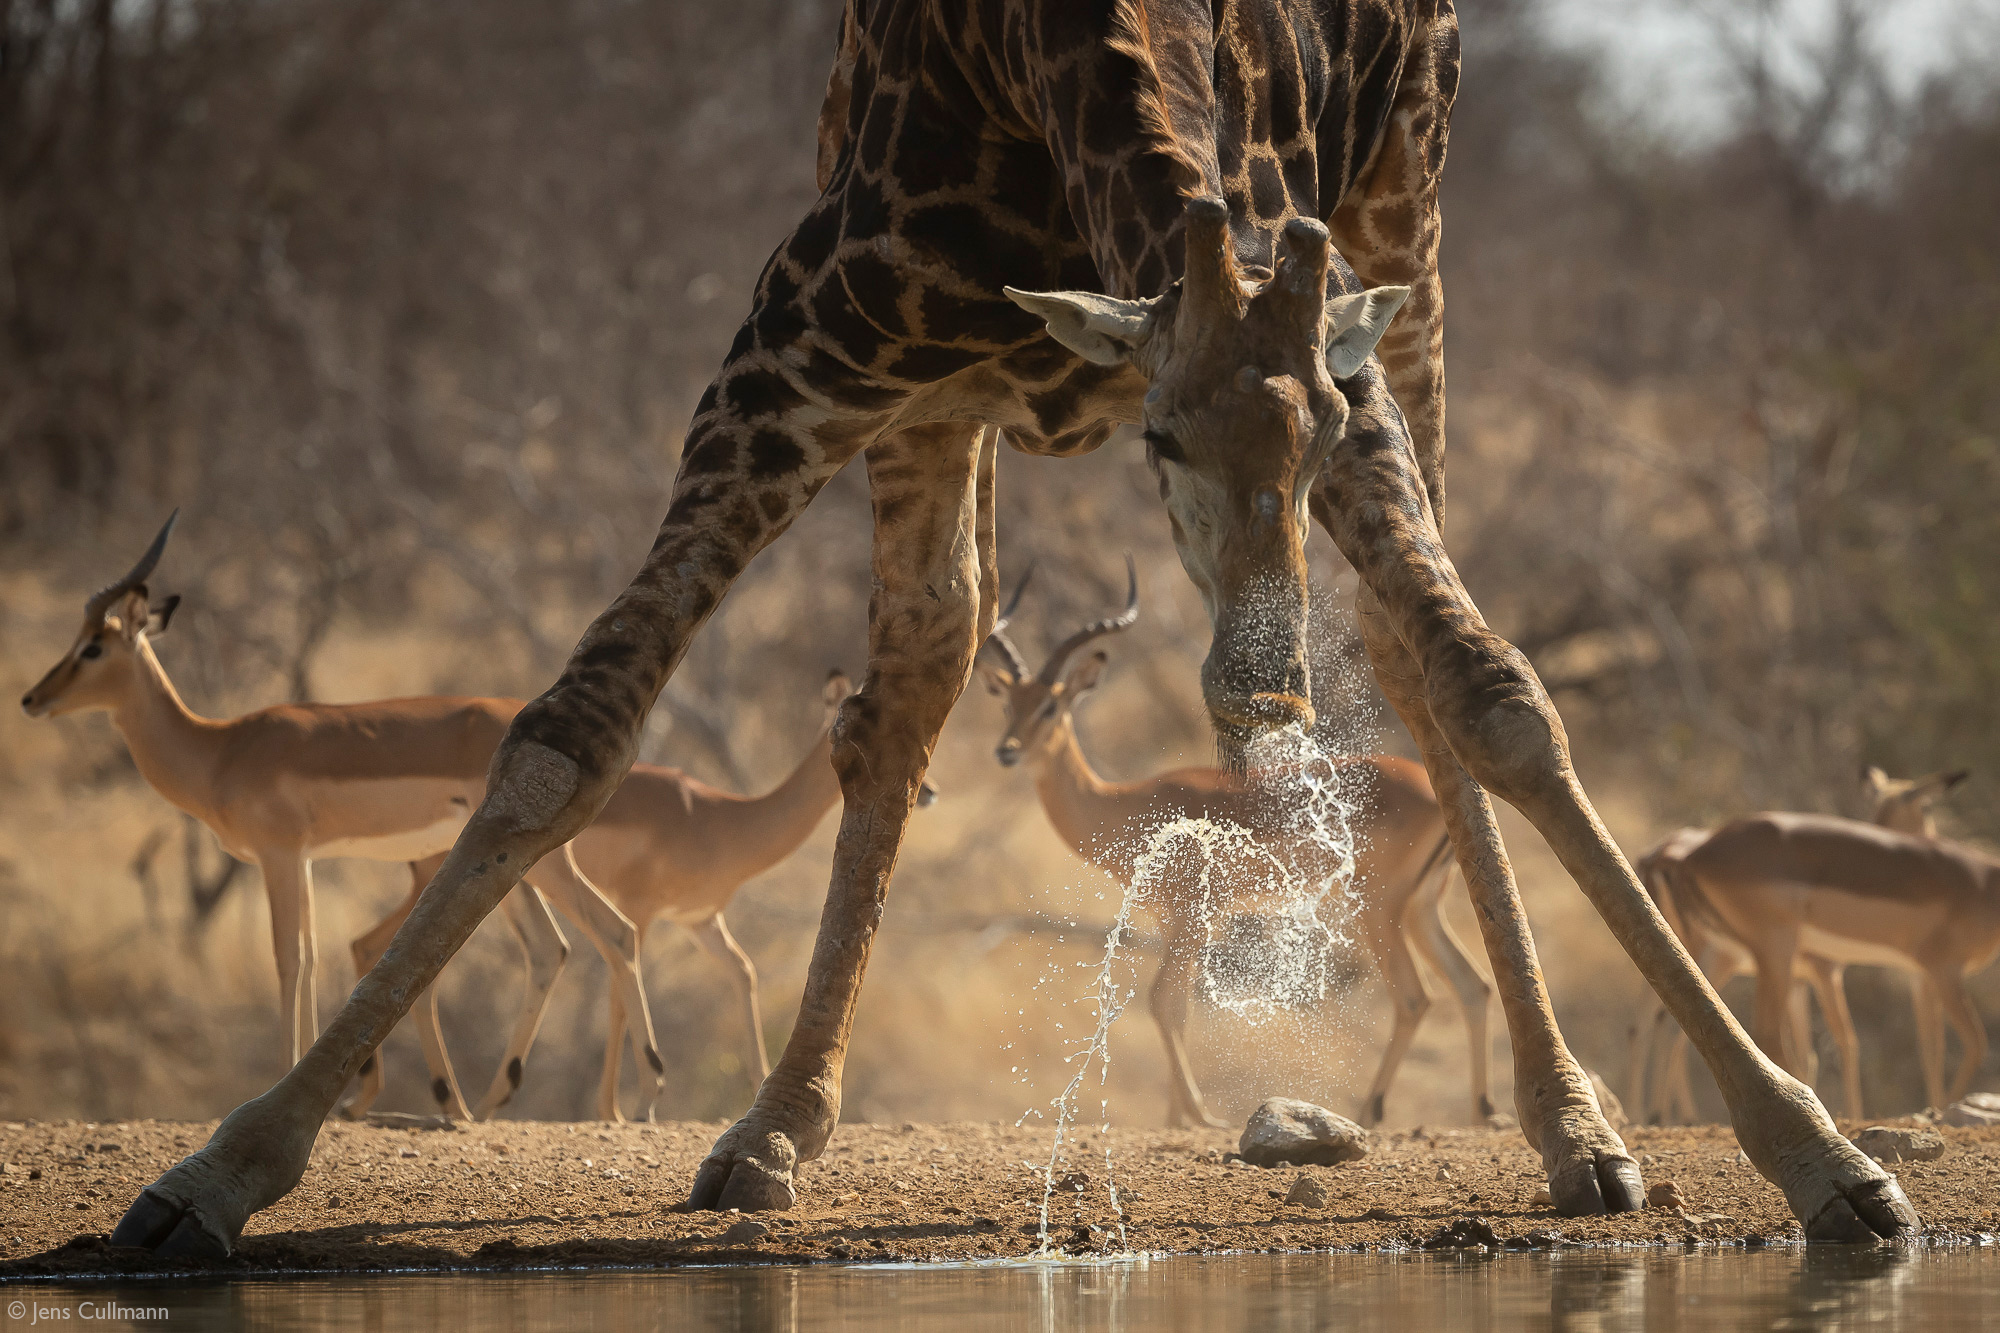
1163 448
92 650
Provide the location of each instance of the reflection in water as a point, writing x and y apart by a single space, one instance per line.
1722 1291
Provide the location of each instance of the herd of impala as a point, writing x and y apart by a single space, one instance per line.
1790 899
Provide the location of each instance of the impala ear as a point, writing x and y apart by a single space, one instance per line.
1354 324
1873 778
1101 329
1084 674
997 679
156 623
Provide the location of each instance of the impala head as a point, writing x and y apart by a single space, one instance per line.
1904 804
1245 404
1038 702
101 663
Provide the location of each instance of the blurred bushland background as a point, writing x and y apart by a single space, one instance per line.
406 306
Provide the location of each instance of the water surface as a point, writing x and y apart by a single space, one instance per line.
1716 1291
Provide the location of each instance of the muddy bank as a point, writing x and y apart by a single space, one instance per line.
521 1194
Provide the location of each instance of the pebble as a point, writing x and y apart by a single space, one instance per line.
1287 1130
1887 1144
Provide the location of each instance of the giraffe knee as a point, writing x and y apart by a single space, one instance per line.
1498 721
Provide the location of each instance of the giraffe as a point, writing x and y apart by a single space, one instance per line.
1050 217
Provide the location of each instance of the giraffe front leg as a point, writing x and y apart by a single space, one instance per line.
924 624
1490 710
563 757
1589 1171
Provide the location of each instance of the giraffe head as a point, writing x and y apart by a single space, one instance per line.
1244 404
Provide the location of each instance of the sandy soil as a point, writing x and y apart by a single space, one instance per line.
521 1194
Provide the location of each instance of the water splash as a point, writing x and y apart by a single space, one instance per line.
1297 880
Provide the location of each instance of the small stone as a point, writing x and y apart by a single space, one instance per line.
333 1201
1286 1130
1666 1194
1541 1198
1307 1193
1887 1144
745 1232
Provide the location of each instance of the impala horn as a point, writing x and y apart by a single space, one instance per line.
1052 669
997 636
134 580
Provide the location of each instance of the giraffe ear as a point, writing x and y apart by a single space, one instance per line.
1354 324
1102 329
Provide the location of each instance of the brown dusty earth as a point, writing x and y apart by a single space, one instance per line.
529 1195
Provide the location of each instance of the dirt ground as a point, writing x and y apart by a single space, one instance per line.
525 1195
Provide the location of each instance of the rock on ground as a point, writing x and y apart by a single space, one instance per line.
1887 1144
1979 1108
1285 1130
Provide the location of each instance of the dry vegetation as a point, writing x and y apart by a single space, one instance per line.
406 306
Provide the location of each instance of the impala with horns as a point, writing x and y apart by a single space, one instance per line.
666 846
392 780
1784 896
1398 878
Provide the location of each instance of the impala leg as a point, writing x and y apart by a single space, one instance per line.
563 757
1676 1092
1487 711
1948 984
925 621
546 953
1776 954
713 935
1409 1001
367 949
616 939
614 1045
288 890
1440 946
1167 1001
1798 1033
1928 1010
1829 982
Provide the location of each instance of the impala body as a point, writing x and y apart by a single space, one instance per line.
1399 872
393 780
1810 894
667 846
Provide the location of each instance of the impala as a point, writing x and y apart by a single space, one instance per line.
1815 893
1399 873
282 787
668 846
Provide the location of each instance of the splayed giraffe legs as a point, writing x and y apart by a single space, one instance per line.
933 604
1588 1168
1487 707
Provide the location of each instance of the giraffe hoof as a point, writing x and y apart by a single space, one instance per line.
1591 1183
169 1228
1876 1210
754 1178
